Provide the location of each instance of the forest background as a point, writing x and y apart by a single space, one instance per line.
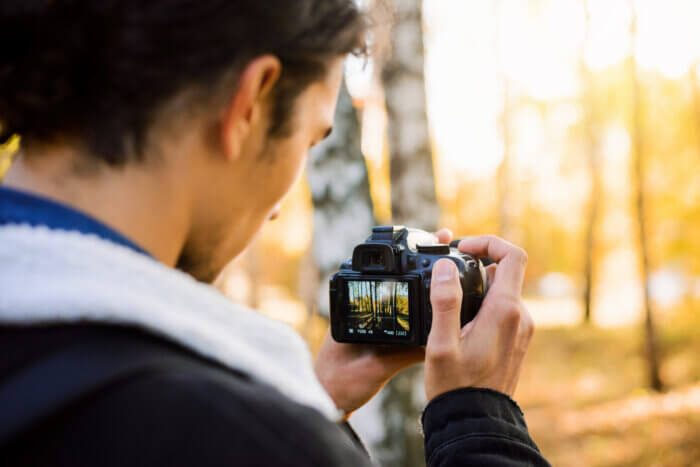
569 127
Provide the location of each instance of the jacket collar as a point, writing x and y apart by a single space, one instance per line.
57 276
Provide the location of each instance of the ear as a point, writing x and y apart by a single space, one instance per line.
246 107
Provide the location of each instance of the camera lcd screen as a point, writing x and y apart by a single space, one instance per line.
378 308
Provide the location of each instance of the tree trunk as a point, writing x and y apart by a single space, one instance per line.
343 213
413 199
651 345
393 304
337 176
593 159
413 203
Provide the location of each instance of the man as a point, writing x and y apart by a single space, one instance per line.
157 139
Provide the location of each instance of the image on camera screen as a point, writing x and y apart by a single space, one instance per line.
378 308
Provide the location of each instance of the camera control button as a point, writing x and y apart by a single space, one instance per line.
439 249
425 263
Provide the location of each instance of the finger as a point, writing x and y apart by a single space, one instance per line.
467 328
486 245
511 260
444 236
491 273
446 300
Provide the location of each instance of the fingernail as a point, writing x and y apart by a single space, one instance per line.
445 270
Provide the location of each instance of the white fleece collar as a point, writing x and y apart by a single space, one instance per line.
54 276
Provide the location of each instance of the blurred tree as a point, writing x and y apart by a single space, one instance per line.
413 199
337 177
588 104
638 148
413 203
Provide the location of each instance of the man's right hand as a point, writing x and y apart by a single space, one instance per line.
488 351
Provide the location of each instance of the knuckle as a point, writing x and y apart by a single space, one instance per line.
492 240
440 353
509 305
521 255
446 299
527 329
529 324
510 311
512 317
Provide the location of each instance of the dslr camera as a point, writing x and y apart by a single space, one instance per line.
382 295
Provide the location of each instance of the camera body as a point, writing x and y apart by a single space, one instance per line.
382 295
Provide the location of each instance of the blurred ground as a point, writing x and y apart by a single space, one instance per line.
582 390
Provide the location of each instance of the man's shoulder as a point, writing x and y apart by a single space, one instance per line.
197 414
216 416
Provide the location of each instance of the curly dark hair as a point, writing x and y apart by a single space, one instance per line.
98 71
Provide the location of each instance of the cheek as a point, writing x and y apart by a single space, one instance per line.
288 165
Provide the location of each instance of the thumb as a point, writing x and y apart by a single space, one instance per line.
446 299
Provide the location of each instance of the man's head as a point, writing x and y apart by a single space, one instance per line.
219 98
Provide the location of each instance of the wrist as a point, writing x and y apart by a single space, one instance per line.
336 393
475 391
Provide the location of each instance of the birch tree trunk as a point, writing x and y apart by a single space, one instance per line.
413 200
638 147
343 217
413 203
337 176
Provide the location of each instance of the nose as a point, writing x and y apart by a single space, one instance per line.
275 213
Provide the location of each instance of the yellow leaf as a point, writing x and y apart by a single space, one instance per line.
7 149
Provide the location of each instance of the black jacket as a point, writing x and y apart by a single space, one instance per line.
221 418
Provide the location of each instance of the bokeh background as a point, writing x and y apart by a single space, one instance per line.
569 127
